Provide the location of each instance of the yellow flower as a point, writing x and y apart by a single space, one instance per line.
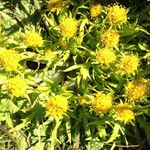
105 56
137 90
110 38
117 14
102 103
33 39
9 59
54 5
68 27
124 112
95 10
57 105
129 63
16 86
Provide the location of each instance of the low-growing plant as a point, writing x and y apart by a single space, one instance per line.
74 75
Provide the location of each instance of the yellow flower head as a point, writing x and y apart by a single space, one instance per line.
110 38
95 10
57 105
124 112
68 27
105 56
9 59
33 39
102 103
16 86
137 90
54 5
129 63
117 14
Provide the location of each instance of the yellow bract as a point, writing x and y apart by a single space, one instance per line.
64 44
110 38
117 14
84 100
54 5
68 27
129 63
9 59
137 90
105 56
57 105
49 54
16 86
102 103
124 112
95 10
33 39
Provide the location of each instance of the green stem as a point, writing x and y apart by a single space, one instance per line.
53 138
7 133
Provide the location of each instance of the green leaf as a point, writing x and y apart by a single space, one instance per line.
7 106
66 55
21 141
37 146
141 46
143 30
20 126
102 131
3 78
72 68
82 30
146 126
68 129
113 146
115 133
79 77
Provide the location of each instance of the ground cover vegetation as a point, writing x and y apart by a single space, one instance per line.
74 74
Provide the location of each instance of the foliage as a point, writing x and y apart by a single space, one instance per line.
74 74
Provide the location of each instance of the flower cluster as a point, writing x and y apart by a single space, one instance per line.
110 38
117 14
54 5
9 60
68 27
57 105
95 10
33 39
105 56
137 89
102 103
124 112
129 63
17 86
